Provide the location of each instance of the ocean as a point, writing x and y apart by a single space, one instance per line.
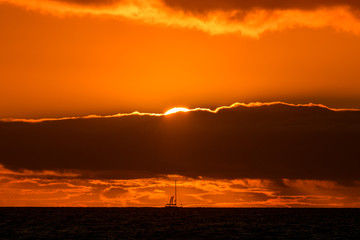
186 223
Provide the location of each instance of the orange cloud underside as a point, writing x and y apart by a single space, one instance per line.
251 23
64 189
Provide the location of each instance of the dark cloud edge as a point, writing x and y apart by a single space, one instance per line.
216 110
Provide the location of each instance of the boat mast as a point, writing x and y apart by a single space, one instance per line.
175 192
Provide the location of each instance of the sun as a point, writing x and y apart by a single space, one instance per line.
176 109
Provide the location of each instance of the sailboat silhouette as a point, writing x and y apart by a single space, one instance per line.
173 201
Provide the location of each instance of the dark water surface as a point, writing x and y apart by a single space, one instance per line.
186 223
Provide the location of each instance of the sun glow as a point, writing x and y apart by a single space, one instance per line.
176 110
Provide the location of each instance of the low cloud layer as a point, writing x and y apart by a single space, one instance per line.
269 141
249 18
59 189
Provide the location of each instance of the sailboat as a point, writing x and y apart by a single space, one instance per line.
173 201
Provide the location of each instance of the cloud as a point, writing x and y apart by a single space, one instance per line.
230 5
225 5
114 192
32 191
96 3
258 141
249 18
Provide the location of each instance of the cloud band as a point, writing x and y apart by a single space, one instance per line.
270 141
248 18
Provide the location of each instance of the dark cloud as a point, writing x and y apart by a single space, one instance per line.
272 142
210 5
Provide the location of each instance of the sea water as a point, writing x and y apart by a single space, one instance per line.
185 223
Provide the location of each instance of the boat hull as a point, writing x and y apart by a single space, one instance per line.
172 206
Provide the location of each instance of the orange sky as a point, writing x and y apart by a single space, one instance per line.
73 65
75 58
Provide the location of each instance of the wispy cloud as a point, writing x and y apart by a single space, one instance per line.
249 18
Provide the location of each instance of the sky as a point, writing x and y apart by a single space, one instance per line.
273 88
